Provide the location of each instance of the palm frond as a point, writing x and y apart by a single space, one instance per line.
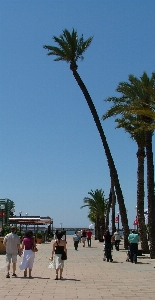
70 47
135 107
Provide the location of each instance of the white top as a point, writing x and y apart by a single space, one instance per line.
63 237
12 240
117 236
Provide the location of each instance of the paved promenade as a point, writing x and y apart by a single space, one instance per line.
86 276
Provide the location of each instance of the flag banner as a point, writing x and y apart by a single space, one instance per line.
135 222
116 220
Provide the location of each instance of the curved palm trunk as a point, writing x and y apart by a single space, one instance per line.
140 199
150 189
113 208
97 235
95 230
102 228
112 168
108 210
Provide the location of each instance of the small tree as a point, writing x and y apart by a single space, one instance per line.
97 205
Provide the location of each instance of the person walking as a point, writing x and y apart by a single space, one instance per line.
28 255
59 246
133 239
83 237
89 235
107 240
117 239
79 233
12 244
76 240
55 235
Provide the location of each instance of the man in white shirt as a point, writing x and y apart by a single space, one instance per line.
76 240
117 239
12 244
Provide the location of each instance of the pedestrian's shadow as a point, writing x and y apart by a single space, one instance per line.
117 262
34 277
142 263
138 263
129 262
70 279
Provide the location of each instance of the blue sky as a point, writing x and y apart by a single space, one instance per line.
51 154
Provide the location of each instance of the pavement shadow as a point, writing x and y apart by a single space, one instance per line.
70 279
142 263
34 277
117 262
139 263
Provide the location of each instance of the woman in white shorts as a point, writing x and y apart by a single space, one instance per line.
83 237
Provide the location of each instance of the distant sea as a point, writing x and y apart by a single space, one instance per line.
70 232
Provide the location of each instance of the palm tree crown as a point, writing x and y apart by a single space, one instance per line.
70 47
97 205
137 98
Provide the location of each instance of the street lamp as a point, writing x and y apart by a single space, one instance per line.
52 225
118 220
105 221
2 208
26 214
12 210
20 213
136 217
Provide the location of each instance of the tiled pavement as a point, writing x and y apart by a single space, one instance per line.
86 276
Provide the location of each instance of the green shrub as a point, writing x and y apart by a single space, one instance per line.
39 235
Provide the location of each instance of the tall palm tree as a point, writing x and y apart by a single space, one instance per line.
70 49
138 99
130 124
97 205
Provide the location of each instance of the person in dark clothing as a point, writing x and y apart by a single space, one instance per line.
83 237
89 235
107 240
133 239
63 232
56 233
58 247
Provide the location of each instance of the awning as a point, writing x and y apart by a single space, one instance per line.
30 220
